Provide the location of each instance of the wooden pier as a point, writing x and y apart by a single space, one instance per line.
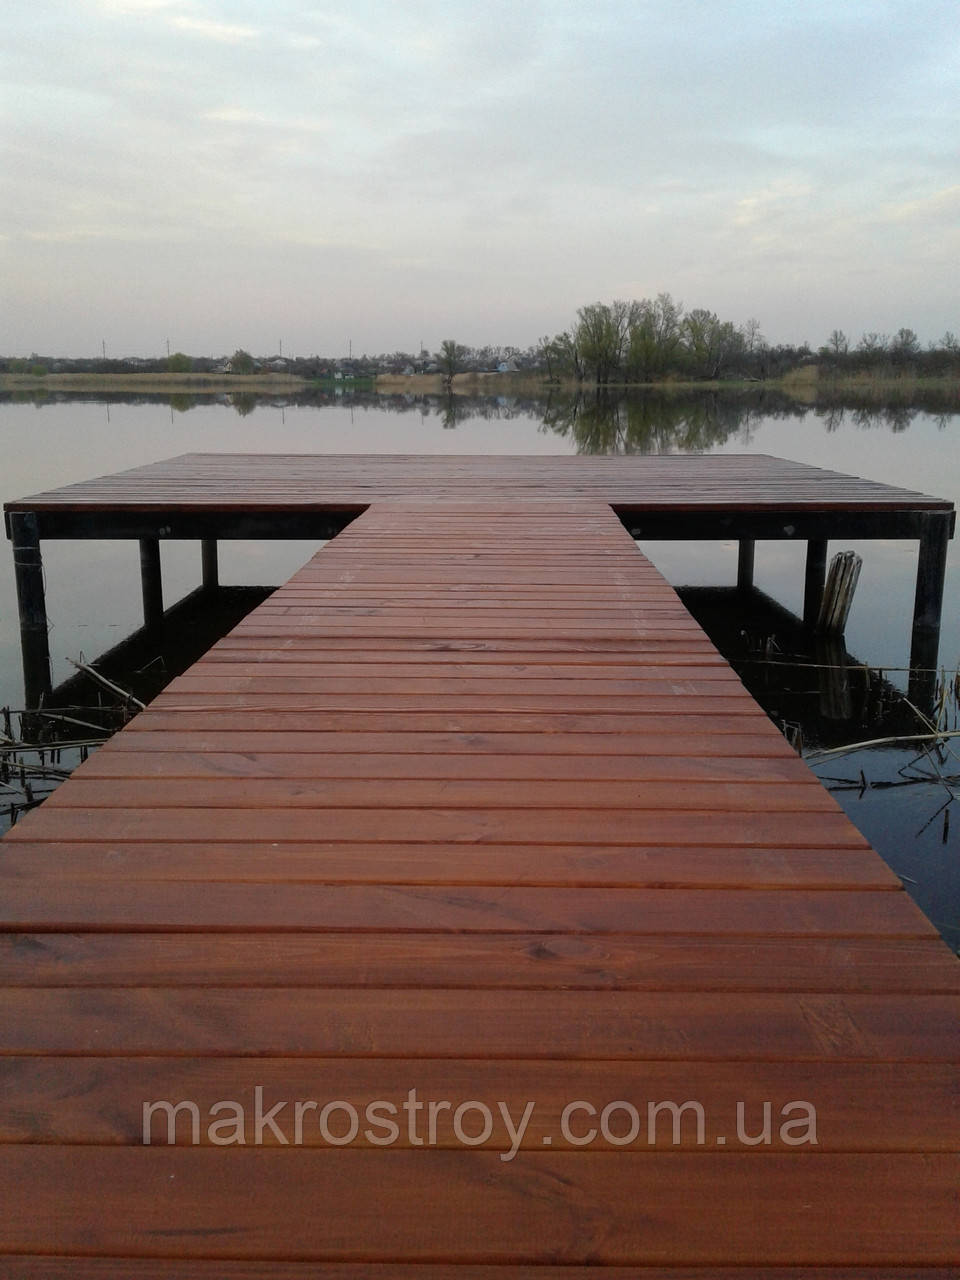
470 812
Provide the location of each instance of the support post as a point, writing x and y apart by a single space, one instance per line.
814 580
210 567
745 560
151 582
928 607
31 603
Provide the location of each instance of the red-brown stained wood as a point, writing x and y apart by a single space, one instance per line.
52 903
472 807
585 1025
739 828
460 1206
243 481
99 1100
436 863
523 961
24 1268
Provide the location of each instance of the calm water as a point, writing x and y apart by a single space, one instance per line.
93 593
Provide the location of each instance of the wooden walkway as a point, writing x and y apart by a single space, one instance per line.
246 482
215 496
470 807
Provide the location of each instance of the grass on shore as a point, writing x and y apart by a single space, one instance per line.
211 383
883 386
806 385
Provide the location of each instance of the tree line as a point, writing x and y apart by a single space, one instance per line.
654 340
640 341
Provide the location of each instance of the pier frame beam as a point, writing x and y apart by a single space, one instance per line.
815 578
745 561
32 607
151 582
209 564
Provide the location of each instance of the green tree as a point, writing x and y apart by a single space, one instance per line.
242 361
559 356
905 346
450 357
179 363
601 336
712 344
655 337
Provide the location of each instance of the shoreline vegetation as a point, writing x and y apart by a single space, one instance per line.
637 344
809 384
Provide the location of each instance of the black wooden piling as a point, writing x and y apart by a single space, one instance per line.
814 580
935 532
209 566
745 561
151 581
31 603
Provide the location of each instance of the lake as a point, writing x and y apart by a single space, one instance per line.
93 588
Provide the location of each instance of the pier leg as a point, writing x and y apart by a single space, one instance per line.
210 567
34 640
745 564
814 580
928 608
151 581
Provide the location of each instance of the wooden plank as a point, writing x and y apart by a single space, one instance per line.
436 863
84 903
201 680
100 1101
141 736
583 1207
801 795
472 826
48 1268
553 725
688 483
776 770
582 1025
627 962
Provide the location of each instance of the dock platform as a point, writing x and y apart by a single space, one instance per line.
467 861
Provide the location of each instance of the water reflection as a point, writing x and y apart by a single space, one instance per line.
900 785
661 422
640 422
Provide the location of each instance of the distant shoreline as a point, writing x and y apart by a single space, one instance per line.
211 383
801 384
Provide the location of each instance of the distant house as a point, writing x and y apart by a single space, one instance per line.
278 365
507 366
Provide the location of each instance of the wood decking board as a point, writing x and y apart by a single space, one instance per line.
475 810
242 482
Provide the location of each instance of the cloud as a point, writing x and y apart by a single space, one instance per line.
939 205
226 33
247 118
139 7
497 162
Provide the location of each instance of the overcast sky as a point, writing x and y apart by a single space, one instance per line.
225 175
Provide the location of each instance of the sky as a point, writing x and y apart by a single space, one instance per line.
374 176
